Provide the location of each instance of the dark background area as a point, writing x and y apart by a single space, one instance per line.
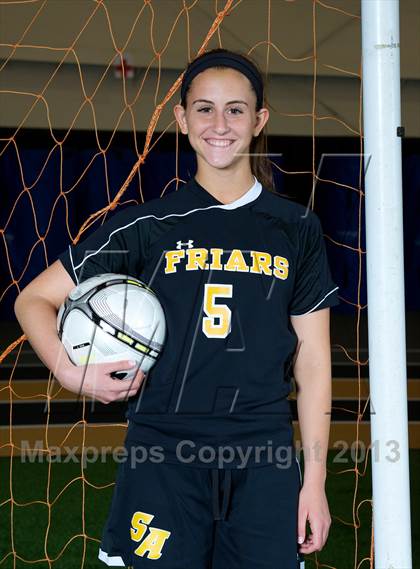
337 161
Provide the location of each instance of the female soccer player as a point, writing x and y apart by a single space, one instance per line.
211 477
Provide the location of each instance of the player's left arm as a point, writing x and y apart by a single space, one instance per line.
312 372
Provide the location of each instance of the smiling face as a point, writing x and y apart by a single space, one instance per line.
220 118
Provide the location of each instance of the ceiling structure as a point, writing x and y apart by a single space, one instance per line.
57 56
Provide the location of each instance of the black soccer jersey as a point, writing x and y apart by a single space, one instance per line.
229 276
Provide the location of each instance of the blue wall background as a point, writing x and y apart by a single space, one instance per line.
337 160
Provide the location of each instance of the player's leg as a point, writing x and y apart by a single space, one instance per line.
159 517
260 525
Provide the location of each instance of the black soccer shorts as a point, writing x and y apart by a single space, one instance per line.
172 516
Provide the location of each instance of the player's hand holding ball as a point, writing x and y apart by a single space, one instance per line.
113 328
96 381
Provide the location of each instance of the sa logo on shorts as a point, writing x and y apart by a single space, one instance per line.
153 543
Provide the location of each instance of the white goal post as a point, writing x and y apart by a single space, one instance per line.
385 283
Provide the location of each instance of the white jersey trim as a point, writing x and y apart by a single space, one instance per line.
316 305
114 561
248 196
251 195
72 264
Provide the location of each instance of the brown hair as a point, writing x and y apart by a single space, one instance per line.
260 164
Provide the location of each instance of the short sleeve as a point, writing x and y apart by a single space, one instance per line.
313 288
118 246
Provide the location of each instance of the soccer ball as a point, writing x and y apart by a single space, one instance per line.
112 317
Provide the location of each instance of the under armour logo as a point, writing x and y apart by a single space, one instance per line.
188 244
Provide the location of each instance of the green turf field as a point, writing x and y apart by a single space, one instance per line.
31 541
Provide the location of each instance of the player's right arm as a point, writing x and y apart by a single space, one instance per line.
36 310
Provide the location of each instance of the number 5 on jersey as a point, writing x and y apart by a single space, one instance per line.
217 323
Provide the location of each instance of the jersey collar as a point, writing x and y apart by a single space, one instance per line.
249 196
